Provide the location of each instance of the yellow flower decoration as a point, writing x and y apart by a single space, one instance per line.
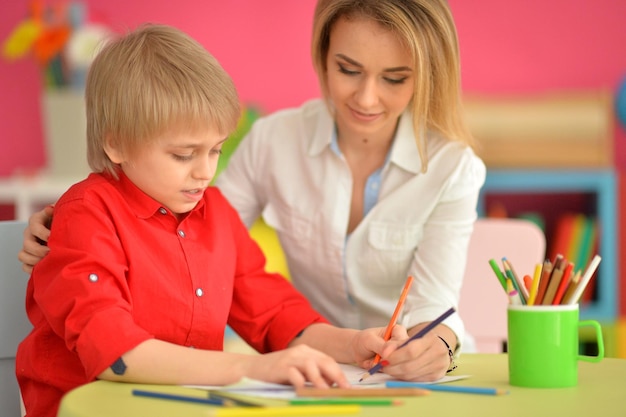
20 41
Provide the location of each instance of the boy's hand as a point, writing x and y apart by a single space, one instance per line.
296 366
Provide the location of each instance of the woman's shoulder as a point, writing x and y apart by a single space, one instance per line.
442 147
294 129
456 161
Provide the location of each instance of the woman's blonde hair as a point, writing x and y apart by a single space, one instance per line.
153 81
427 29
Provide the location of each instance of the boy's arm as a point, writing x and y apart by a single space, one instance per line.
155 361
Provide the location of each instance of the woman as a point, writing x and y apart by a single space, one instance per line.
373 183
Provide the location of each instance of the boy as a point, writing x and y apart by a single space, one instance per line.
147 263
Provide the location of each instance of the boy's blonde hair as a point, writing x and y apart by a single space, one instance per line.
427 29
153 81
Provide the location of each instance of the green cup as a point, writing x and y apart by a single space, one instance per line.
543 345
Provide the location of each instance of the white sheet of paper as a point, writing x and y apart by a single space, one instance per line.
353 373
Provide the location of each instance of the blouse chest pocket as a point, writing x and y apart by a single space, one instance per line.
390 248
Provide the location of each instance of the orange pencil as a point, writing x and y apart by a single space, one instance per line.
396 313
528 283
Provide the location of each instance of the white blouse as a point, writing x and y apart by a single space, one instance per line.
286 171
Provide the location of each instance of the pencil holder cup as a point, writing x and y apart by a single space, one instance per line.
543 345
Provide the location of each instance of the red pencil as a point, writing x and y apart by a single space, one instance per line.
396 313
563 284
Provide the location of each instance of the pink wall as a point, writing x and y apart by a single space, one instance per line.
507 46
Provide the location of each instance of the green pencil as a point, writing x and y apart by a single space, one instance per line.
344 401
498 272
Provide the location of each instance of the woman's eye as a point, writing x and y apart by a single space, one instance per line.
346 71
396 80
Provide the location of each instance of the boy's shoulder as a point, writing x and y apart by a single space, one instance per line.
95 184
214 197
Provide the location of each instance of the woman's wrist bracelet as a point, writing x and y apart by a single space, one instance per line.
452 366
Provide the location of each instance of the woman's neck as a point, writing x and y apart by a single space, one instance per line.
364 147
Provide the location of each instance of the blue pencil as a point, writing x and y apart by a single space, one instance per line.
174 397
417 335
447 388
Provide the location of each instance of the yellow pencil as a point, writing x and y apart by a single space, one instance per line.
309 410
535 285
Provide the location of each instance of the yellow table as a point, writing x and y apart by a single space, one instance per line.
601 391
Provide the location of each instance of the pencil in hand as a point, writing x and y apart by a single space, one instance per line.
417 335
396 313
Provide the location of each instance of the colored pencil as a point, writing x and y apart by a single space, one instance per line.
514 280
496 269
417 335
232 399
359 392
520 287
528 283
571 287
183 398
584 281
514 297
555 280
447 388
396 313
296 410
344 401
546 271
532 296
565 280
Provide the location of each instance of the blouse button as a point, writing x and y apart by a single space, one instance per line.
93 277
199 292
181 233
162 211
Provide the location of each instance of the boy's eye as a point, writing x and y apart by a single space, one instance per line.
216 151
182 157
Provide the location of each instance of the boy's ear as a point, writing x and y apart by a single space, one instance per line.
115 155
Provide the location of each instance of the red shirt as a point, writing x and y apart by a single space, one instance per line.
121 270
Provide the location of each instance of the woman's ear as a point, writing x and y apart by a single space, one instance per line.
115 155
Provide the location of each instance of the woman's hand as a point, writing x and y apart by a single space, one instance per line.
35 236
421 360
